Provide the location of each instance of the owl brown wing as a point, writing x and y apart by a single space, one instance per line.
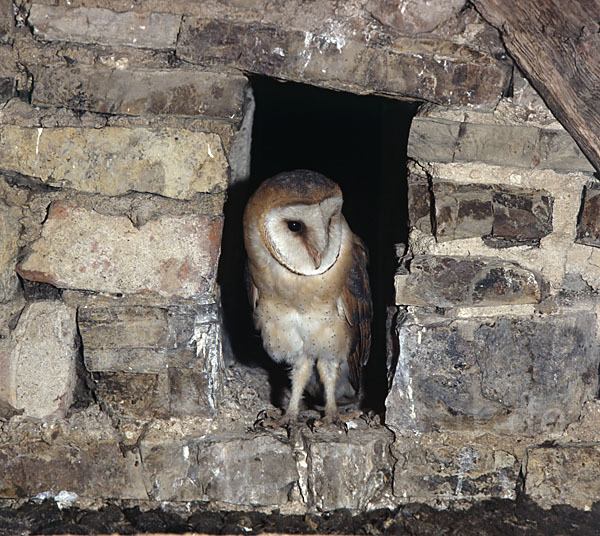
358 310
250 288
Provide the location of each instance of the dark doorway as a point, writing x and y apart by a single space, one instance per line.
360 143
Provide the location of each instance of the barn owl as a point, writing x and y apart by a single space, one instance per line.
308 285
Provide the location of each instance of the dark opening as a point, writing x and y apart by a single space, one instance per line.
360 143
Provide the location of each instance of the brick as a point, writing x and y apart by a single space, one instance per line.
451 281
10 229
174 163
563 475
173 256
104 27
588 226
137 92
338 56
434 139
42 360
516 375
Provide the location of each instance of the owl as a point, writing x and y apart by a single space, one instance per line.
308 285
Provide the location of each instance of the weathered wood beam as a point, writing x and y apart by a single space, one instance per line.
557 45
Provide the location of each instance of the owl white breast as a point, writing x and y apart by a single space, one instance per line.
308 284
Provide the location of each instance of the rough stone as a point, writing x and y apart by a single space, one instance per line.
588 227
172 257
436 139
462 211
450 281
464 467
40 370
564 475
10 229
105 27
414 16
340 55
419 203
81 456
174 163
353 472
515 374
136 92
144 396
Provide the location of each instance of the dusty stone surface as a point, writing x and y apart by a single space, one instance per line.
564 475
141 92
414 16
334 53
9 250
515 374
82 249
39 370
103 26
455 466
113 161
444 281
436 139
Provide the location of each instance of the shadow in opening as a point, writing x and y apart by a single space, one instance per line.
360 143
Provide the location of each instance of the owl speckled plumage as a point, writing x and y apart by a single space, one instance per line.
308 284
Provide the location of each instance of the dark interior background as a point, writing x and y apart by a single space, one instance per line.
360 143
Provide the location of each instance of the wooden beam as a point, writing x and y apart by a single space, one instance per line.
557 45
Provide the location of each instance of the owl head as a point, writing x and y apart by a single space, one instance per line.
297 218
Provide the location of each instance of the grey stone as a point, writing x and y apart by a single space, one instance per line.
10 229
419 203
450 281
172 257
563 475
474 468
588 226
443 140
462 210
104 27
514 374
137 92
342 56
42 361
175 163
351 472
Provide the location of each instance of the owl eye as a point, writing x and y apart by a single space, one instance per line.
295 226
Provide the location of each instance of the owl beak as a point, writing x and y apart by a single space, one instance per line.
315 255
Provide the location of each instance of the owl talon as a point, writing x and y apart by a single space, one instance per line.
269 418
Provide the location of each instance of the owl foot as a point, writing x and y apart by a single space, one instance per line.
272 418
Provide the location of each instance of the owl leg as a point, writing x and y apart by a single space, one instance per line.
300 375
328 372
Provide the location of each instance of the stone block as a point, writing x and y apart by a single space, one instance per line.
7 88
172 256
40 366
564 475
518 375
260 470
419 203
430 468
462 210
144 396
588 226
10 229
452 281
434 139
81 456
502 215
351 472
174 163
334 54
104 27
137 92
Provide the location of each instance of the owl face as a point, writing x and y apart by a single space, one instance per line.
305 238
296 219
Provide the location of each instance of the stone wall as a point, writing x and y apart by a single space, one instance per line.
122 126
495 340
